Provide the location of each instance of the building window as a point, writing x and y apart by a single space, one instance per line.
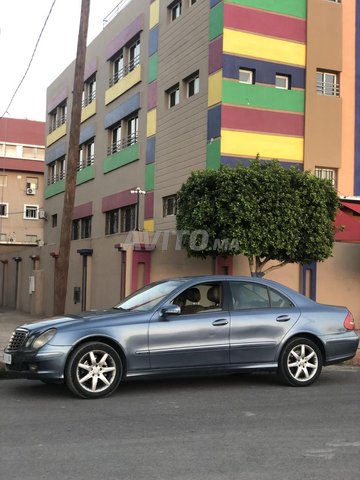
128 215
327 83
173 96
57 117
124 134
81 228
169 206
327 174
120 220
4 209
282 82
134 54
89 93
193 85
175 10
112 222
192 2
54 220
246 76
125 60
31 238
31 185
56 171
3 180
86 155
31 212
132 130
117 66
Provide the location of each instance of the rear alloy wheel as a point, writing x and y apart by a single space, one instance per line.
300 362
94 370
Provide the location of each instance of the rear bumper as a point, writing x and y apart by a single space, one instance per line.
340 349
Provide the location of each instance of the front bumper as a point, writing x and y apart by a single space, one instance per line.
48 363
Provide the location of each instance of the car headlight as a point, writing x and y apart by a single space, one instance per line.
42 339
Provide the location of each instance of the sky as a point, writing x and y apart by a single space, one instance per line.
21 22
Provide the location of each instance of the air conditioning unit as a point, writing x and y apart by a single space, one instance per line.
30 191
42 214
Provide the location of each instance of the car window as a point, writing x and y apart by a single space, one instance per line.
202 297
149 296
247 295
278 300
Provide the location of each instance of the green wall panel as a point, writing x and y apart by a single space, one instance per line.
150 177
261 96
295 8
119 159
153 67
85 175
54 189
213 155
216 21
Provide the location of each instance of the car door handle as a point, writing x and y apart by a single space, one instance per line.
221 321
283 318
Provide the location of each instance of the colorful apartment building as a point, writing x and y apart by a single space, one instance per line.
175 86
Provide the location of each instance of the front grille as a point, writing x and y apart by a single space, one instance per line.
17 339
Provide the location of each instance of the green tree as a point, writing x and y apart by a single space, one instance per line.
264 211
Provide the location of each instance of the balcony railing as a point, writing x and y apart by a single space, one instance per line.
124 71
131 139
87 100
56 177
56 123
87 162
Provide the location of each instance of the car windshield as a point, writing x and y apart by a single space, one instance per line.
148 297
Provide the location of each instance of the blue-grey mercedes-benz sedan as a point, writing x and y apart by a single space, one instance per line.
186 325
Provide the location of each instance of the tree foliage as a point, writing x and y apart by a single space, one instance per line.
263 211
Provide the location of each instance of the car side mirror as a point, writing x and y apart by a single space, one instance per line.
169 310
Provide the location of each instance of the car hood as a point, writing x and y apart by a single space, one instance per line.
68 320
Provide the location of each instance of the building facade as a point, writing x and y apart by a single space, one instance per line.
22 153
175 86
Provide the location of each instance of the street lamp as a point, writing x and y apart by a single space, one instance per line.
138 192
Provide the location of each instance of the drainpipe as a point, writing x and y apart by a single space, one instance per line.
84 252
17 260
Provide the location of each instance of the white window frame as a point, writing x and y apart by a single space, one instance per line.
6 210
327 83
284 78
249 73
173 96
165 205
195 80
32 208
175 10
327 174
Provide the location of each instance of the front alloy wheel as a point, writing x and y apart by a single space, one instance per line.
300 362
94 370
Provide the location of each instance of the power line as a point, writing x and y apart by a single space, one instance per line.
30 62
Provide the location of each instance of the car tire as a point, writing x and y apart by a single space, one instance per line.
300 362
94 370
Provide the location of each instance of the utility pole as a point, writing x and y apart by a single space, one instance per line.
62 262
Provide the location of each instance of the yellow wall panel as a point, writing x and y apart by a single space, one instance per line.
151 123
123 85
267 146
56 134
257 46
88 111
149 225
215 88
154 13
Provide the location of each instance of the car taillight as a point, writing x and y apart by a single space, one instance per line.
349 322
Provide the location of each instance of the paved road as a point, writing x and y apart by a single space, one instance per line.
244 427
